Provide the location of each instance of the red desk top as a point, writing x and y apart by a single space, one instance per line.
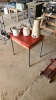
26 41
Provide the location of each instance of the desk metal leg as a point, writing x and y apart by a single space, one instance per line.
10 14
41 48
3 23
29 57
55 26
12 46
17 16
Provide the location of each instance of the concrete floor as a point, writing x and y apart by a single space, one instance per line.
17 80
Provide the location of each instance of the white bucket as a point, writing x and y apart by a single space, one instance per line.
5 10
16 32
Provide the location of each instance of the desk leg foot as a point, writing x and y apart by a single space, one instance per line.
29 57
12 46
41 49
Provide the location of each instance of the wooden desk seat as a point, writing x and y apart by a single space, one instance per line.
48 23
15 10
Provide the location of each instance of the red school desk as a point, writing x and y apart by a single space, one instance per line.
26 41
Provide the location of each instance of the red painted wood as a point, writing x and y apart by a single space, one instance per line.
25 41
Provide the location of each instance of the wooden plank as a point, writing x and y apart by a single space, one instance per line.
55 25
50 23
13 9
48 29
52 16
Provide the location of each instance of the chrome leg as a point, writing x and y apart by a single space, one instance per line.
41 48
29 57
12 46
3 23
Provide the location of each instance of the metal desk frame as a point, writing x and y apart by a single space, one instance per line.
13 38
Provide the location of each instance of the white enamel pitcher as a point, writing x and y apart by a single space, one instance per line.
26 30
36 28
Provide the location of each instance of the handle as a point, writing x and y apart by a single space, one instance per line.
11 29
22 25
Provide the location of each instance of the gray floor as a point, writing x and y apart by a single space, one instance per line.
17 80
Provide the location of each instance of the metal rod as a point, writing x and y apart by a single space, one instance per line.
41 48
12 46
29 57
3 22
